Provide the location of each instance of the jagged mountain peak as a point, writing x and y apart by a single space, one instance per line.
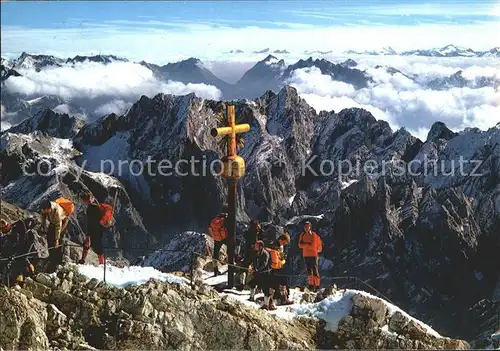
36 61
25 55
96 58
439 130
283 52
357 116
349 63
58 125
191 62
270 58
264 75
263 51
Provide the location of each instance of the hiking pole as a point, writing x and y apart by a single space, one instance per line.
114 204
104 254
192 269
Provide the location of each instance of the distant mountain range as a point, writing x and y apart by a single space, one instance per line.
446 51
263 51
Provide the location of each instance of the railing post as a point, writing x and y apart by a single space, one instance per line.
104 254
192 269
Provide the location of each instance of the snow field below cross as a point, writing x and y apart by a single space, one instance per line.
331 309
132 275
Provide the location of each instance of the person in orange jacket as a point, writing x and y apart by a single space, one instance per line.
311 246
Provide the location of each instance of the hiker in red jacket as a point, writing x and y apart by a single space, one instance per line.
218 231
95 230
311 246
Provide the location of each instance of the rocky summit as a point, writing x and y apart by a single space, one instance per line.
401 214
67 310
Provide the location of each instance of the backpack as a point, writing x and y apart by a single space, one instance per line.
67 205
217 229
106 215
276 262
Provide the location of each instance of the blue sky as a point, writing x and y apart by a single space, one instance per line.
149 29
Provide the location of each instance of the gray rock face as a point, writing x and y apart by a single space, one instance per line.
51 123
264 75
177 255
23 321
74 312
152 316
456 80
36 167
6 72
439 131
486 330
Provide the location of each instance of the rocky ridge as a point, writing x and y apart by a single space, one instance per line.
68 310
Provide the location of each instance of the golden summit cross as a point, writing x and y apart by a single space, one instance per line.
233 169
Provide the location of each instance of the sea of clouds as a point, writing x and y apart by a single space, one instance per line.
403 99
111 88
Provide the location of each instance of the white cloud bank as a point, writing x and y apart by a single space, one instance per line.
124 82
4 125
402 102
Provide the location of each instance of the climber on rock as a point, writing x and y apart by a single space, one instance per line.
311 246
261 267
251 236
238 261
94 229
20 241
218 231
57 214
277 276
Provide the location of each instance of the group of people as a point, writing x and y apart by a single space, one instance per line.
265 260
17 238
20 238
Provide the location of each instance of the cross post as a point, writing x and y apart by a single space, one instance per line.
233 169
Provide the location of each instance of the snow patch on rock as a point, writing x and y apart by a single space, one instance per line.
132 275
